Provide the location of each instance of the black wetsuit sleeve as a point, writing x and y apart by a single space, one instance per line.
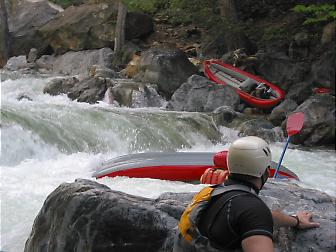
251 217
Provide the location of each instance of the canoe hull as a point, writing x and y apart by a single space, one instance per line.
253 101
177 166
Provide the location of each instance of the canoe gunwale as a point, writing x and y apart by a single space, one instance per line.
252 100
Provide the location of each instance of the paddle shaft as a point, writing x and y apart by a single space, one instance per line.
282 155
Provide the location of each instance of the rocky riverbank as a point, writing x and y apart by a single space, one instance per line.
152 72
161 66
87 216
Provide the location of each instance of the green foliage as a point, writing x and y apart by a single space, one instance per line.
316 13
180 11
274 33
197 11
63 3
148 6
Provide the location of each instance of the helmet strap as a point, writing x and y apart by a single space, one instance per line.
264 178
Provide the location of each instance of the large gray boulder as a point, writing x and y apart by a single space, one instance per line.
60 85
17 63
134 94
300 92
89 90
278 68
323 69
24 19
72 63
319 123
87 216
166 67
201 95
280 112
91 26
261 128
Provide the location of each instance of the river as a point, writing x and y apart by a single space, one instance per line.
47 140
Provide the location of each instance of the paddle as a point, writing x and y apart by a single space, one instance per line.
293 126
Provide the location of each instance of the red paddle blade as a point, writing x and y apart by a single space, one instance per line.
294 123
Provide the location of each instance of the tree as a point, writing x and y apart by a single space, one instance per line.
120 27
228 10
4 34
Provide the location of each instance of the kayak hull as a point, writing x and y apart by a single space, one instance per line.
175 166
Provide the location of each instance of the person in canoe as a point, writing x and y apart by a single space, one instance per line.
231 215
259 90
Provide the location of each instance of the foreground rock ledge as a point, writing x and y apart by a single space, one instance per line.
87 216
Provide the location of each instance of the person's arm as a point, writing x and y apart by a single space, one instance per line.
302 221
257 243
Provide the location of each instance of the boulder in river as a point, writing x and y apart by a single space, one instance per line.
17 63
89 90
261 128
319 123
168 68
280 112
87 216
61 85
134 94
81 62
202 95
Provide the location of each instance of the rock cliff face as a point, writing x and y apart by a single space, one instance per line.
24 19
87 216
91 26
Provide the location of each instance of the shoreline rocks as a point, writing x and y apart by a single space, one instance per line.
88 216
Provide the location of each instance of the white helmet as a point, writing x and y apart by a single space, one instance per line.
249 156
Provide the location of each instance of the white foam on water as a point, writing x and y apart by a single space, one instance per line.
35 162
316 168
25 187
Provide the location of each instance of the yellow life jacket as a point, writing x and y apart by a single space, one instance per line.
190 217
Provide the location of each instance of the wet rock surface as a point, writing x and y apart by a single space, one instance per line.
319 123
87 216
24 20
166 67
201 95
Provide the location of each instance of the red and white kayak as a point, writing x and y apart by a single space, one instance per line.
250 88
176 166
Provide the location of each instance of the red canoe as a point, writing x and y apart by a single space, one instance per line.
251 89
176 166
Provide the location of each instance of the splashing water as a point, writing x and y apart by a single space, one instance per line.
46 141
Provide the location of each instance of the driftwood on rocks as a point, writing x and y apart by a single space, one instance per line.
87 216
